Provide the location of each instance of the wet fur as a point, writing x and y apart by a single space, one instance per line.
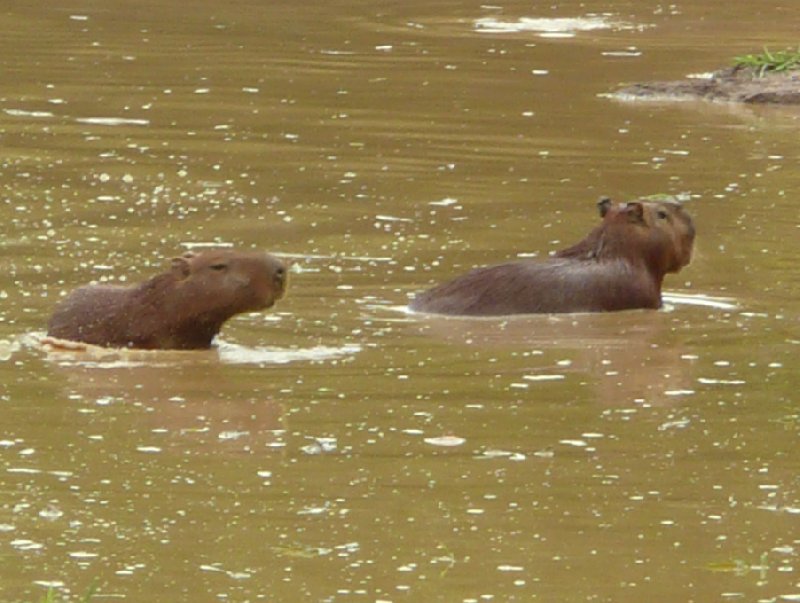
619 265
181 309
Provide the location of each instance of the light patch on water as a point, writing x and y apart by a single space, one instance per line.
790 510
51 512
49 584
576 443
678 424
232 435
688 299
629 52
709 381
215 567
24 113
112 121
502 454
149 449
341 258
313 510
206 244
554 377
130 568
548 27
446 202
231 353
679 152
387 218
7 349
320 446
22 544
445 441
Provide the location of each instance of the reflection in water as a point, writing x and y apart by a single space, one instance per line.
629 355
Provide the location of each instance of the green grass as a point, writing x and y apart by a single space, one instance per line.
780 60
50 596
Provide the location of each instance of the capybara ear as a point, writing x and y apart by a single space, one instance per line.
181 266
603 205
635 211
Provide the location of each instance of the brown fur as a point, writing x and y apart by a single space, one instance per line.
182 309
619 265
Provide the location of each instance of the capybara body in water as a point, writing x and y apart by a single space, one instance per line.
620 265
182 309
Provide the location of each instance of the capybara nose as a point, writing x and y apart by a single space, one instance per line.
281 275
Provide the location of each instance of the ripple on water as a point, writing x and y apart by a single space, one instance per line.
720 303
112 121
549 27
237 354
69 353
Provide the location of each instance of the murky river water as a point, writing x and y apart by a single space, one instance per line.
335 448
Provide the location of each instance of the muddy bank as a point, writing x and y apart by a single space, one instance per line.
735 84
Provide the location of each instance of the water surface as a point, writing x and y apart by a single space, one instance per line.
336 448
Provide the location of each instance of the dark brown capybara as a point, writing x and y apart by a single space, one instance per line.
182 309
620 265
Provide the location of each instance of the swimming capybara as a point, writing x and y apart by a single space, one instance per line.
620 265
182 309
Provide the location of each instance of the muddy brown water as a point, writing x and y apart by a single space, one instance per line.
336 448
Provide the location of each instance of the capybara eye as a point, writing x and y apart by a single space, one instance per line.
219 267
662 214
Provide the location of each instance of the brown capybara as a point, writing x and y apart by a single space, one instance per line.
182 309
620 265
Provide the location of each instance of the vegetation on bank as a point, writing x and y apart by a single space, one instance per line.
779 60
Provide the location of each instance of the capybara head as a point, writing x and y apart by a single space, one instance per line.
661 232
233 281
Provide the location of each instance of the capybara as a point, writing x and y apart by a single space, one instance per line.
182 309
620 265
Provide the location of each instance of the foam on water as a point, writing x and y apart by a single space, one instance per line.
75 353
552 27
698 299
231 353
